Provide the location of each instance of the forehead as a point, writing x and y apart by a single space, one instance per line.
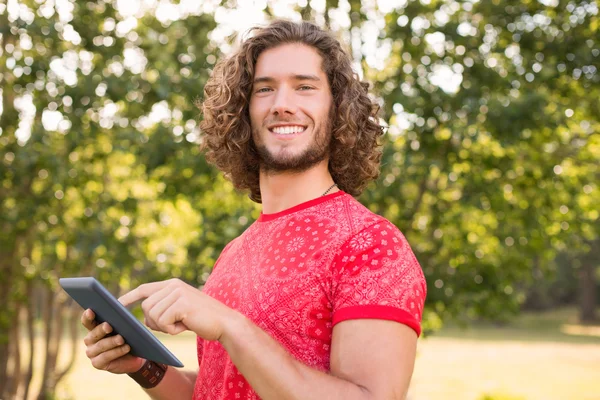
288 60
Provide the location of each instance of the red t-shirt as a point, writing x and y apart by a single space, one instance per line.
299 272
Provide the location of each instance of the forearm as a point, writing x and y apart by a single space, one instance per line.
176 384
274 374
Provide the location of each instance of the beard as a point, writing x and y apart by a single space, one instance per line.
317 151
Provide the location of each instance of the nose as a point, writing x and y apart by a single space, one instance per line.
283 102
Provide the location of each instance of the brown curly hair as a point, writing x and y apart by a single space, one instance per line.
354 151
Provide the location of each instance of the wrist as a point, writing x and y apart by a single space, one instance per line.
233 327
140 365
150 374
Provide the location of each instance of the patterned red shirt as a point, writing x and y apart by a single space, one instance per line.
299 272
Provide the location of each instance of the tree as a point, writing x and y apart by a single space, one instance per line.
492 117
101 173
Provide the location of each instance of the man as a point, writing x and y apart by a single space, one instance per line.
319 298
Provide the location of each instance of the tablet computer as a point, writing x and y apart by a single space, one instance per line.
89 293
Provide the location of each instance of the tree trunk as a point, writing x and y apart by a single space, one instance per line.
7 248
6 316
53 320
73 312
3 361
14 356
31 309
588 286
48 316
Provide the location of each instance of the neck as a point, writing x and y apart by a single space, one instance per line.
280 191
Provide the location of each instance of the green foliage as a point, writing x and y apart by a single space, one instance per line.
489 178
118 188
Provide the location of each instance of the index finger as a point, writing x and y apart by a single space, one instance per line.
141 292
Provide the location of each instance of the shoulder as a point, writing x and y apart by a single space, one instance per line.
230 250
365 222
353 214
377 275
376 247
378 244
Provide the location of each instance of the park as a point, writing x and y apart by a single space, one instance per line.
490 168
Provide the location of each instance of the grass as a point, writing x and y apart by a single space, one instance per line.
553 326
538 356
533 358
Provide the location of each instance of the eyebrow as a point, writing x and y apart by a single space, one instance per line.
296 77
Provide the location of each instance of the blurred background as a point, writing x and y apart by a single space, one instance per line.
491 170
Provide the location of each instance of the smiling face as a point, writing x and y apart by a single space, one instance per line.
291 108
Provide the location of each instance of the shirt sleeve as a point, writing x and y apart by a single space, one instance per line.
377 276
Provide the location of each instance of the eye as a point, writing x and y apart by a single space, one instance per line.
263 90
305 87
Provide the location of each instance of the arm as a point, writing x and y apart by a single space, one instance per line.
370 359
176 384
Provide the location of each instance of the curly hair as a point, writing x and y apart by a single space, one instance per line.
354 151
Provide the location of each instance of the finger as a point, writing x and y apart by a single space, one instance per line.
150 324
176 327
169 314
103 360
149 303
141 292
155 298
104 345
158 312
133 296
97 333
87 319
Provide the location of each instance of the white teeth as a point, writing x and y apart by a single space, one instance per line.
287 130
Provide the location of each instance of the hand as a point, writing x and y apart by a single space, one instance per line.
107 353
173 306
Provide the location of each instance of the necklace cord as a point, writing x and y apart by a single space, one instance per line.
328 190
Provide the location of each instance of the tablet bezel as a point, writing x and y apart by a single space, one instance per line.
89 293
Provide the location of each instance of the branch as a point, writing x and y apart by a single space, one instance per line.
423 186
415 209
